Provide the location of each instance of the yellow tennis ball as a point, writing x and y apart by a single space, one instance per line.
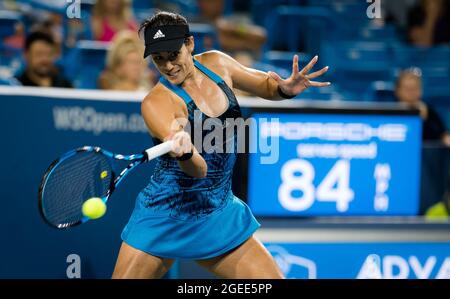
94 208
437 212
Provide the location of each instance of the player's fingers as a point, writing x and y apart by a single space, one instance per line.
186 144
319 84
318 73
295 65
309 66
177 144
275 76
182 142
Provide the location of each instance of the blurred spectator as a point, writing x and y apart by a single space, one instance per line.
40 55
8 5
125 68
408 90
211 10
110 17
397 11
429 23
52 25
76 32
236 32
17 40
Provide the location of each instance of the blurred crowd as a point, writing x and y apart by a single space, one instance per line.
102 49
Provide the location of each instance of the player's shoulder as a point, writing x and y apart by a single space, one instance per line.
159 95
214 57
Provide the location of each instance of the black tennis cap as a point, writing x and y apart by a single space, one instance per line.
168 38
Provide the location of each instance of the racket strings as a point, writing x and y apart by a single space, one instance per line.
72 182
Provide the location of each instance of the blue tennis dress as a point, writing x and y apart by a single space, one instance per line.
178 216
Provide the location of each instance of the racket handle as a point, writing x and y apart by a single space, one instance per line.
158 150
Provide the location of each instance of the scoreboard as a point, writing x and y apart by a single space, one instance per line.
318 164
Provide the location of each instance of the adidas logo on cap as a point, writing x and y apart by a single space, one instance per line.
158 34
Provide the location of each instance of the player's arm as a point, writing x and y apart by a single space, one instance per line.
270 85
158 112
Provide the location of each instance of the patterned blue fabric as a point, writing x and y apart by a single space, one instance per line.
178 216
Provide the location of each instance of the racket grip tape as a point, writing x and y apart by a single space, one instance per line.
158 150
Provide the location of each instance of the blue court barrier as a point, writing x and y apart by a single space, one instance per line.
37 126
342 260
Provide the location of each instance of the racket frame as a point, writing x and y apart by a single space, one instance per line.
135 160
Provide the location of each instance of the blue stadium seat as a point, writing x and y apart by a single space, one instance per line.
284 59
89 58
319 94
386 33
187 8
58 7
358 55
381 91
260 9
142 4
365 32
349 16
266 67
294 28
205 37
8 21
9 57
142 14
355 65
354 11
143 9
229 7
436 85
358 81
332 2
9 82
406 56
86 27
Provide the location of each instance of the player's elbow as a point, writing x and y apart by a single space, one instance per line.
195 168
197 173
201 172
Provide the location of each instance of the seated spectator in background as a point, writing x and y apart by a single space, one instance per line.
17 40
408 89
40 56
125 68
110 17
396 12
235 33
8 5
51 24
429 23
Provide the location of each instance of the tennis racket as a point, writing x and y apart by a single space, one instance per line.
84 173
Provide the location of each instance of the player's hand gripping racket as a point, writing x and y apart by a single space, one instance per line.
82 174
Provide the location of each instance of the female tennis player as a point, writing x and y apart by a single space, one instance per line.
188 210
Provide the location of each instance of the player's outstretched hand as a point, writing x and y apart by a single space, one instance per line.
300 80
